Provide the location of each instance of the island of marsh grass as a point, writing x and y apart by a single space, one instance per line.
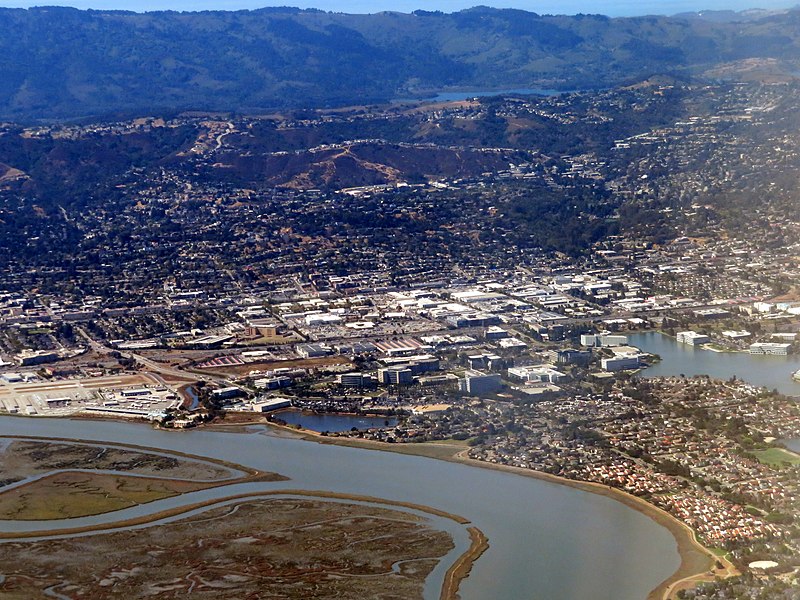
259 547
63 483
74 494
22 458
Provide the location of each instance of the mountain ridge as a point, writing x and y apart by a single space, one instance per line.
63 63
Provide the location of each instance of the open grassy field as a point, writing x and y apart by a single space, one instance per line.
777 457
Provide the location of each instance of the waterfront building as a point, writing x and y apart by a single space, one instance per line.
772 348
604 340
272 404
227 393
692 338
621 363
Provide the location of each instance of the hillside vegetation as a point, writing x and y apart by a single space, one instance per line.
66 63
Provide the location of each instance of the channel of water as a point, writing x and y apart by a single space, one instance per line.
546 540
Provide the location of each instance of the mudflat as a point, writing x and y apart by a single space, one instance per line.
288 548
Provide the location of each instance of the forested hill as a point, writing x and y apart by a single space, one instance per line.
67 63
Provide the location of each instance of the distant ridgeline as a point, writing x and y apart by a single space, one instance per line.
60 63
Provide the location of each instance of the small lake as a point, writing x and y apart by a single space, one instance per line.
676 359
456 96
333 422
793 445
195 400
466 95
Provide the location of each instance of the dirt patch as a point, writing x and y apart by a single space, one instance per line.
307 363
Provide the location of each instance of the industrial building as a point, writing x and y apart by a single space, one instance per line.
313 350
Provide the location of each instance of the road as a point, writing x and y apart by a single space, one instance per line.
158 369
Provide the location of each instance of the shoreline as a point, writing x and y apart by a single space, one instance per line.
462 567
696 561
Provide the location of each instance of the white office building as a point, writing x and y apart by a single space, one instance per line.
692 338
772 348
621 363
475 382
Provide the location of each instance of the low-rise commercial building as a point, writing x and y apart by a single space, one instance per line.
773 348
620 363
27 358
692 338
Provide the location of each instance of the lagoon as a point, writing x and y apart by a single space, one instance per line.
333 423
793 445
457 96
676 359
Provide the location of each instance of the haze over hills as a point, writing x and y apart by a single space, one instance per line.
611 8
65 63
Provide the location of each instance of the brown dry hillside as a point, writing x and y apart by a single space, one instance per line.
361 164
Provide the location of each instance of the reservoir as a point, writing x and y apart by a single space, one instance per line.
457 96
333 422
676 359
547 541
